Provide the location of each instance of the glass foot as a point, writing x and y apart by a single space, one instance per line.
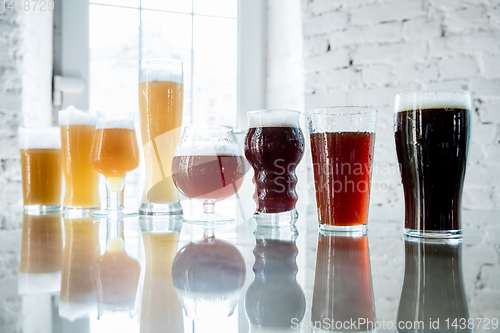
114 213
343 228
276 219
211 220
446 234
157 209
41 209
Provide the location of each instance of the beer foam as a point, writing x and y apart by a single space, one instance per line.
193 142
39 283
207 149
420 100
39 138
73 116
115 123
161 70
273 118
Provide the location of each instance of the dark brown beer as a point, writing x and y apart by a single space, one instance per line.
432 146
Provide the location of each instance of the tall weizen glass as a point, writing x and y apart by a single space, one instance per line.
161 95
40 150
432 130
274 146
342 143
82 181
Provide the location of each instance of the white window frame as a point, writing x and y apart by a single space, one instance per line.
251 64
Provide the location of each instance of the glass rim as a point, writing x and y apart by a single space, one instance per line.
117 114
343 110
211 128
160 60
423 92
254 112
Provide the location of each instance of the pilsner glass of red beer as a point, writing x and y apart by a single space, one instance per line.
208 166
342 143
274 145
432 131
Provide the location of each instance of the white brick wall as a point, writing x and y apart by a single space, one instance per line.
25 88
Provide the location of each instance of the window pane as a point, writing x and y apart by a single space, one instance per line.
168 35
114 58
183 6
214 85
227 8
125 3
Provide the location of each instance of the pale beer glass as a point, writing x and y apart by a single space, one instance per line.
161 94
114 153
82 181
40 150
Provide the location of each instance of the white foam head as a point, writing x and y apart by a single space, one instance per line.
208 141
39 138
39 283
169 70
118 121
420 100
73 116
273 118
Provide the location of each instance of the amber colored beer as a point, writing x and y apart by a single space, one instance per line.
42 177
81 179
161 309
42 243
115 151
160 105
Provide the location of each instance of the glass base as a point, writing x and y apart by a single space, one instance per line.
114 213
276 219
343 228
40 209
157 209
209 221
438 234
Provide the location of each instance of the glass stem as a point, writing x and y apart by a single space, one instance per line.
208 206
208 233
114 199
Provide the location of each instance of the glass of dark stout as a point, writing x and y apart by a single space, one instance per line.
274 145
342 143
432 131
208 166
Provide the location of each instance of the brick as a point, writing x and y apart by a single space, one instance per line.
489 110
395 11
469 44
477 198
422 28
461 67
312 8
483 87
449 5
324 98
378 74
333 59
315 46
325 23
466 20
491 66
334 79
367 54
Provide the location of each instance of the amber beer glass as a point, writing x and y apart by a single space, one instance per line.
40 150
114 153
161 95
82 181
432 131
342 142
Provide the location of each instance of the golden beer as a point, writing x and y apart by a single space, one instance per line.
41 167
114 151
82 181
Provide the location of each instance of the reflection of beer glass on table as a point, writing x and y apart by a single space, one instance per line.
40 150
161 96
274 145
342 142
432 132
82 181
114 153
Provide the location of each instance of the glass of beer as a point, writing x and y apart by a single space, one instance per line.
432 131
208 166
161 94
342 144
82 181
40 150
114 153
274 145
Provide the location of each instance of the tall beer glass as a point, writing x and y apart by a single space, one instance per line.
161 96
432 131
40 150
82 181
114 153
342 142
274 146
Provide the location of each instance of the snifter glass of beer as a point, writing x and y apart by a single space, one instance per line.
432 131
161 95
82 181
274 146
114 153
40 150
342 144
208 166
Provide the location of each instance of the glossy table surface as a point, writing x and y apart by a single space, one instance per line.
71 275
